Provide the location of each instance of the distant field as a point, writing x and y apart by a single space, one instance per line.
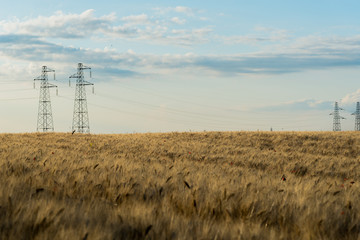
223 185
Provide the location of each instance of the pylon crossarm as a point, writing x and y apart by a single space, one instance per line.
49 70
86 83
85 67
50 85
75 76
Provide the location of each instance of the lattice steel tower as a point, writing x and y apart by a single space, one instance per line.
357 117
337 118
80 118
45 119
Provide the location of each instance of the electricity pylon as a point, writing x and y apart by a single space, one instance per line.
80 118
357 117
45 119
337 118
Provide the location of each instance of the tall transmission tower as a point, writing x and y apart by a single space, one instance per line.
45 119
337 118
357 117
80 118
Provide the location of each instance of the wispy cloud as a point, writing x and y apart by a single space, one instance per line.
59 25
335 46
22 49
30 48
300 105
178 20
260 35
185 10
351 98
135 27
275 63
136 19
178 9
347 102
28 40
11 70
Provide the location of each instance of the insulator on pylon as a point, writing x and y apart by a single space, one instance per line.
90 74
93 90
57 92
34 84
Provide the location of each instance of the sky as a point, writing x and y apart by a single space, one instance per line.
162 66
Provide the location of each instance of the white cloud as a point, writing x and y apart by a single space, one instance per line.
178 20
331 46
260 35
189 37
123 31
299 105
136 27
27 40
311 104
178 9
136 19
29 48
59 25
351 98
185 10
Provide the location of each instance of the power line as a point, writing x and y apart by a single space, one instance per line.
15 99
167 97
143 116
169 110
188 122
218 119
16 90
192 103
12 82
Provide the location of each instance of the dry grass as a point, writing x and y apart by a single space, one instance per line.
180 186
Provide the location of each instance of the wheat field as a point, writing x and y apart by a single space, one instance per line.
206 185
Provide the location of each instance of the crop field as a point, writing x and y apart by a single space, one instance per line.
206 185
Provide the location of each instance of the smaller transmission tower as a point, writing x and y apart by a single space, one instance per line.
357 117
80 118
45 119
337 118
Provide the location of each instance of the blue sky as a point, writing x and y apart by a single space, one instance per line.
183 65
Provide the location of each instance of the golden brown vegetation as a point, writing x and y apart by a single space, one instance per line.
210 185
